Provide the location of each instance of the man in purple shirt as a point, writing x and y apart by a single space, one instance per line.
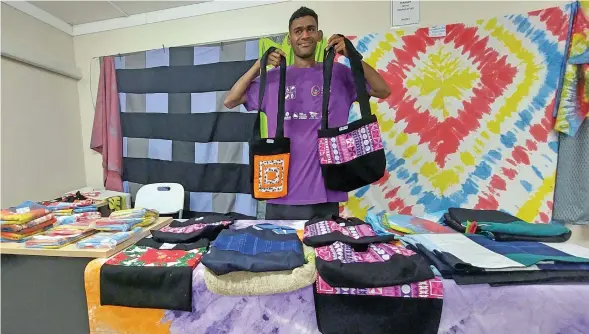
307 196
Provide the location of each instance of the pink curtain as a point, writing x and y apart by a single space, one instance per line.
107 138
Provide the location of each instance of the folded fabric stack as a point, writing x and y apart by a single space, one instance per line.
366 284
106 239
476 259
85 217
58 237
125 220
386 224
23 221
157 271
246 283
501 226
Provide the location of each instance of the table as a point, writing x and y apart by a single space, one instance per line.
43 289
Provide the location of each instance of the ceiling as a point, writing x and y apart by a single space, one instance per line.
80 12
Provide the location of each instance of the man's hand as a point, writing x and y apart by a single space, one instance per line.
274 57
338 43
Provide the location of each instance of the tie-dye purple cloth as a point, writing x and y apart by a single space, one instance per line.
471 309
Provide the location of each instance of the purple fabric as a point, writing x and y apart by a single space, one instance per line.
467 309
301 122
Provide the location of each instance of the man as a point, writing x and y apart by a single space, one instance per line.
307 196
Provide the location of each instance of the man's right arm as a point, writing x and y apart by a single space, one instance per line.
237 94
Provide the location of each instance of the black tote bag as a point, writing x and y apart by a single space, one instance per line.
351 156
270 157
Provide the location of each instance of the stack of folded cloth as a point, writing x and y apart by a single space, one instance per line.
367 284
157 271
386 224
478 259
69 208
58 237
23 221
126 220
501 226
106 239
85 217
255 279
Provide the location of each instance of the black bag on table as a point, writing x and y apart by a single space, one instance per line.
351 156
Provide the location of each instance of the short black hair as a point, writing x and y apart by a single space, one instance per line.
302 12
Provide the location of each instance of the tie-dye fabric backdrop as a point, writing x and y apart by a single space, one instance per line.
470 118
573 106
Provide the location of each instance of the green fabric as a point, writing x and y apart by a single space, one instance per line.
281 42
523 228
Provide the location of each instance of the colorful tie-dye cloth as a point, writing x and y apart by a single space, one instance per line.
469 122
106 239
573 107
58 237
385 223
21 215
20 227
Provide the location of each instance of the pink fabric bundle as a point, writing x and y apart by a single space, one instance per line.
107 138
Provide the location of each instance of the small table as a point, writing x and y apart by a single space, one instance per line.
43 289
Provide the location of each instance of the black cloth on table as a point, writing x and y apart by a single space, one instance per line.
211 227
523 277
167 288
354 314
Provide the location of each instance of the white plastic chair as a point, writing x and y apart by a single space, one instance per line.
166 198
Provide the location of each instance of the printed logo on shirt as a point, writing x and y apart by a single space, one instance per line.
291 92
313 115
315 90
287 116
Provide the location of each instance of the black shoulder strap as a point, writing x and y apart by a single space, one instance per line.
281 93
359 81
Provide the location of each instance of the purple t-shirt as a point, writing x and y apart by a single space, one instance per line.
302 119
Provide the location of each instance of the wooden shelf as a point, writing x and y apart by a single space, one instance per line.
72 251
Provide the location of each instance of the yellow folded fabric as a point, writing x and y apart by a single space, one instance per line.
243 283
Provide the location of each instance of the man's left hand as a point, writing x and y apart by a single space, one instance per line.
337 42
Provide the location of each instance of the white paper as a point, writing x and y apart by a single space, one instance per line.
405 13
437 31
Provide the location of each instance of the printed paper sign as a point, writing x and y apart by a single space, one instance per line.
405 13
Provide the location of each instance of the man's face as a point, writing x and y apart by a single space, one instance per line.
304 36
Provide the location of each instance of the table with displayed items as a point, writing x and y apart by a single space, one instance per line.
469 309
47 284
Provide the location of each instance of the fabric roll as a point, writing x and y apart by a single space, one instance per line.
242 283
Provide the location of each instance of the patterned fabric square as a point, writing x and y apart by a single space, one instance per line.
271 175
432 288
160 149
379 252
203 102
136 148
135 102
349 146
231 153
206 153
206 54
157 57
201 202
138 256
156 103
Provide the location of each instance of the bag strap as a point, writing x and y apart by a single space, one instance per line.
281 93
359 81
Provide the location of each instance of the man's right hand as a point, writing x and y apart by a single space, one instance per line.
274 57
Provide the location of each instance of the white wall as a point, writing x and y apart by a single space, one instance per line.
41 152
347 17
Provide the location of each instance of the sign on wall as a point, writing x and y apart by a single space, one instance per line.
404 13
